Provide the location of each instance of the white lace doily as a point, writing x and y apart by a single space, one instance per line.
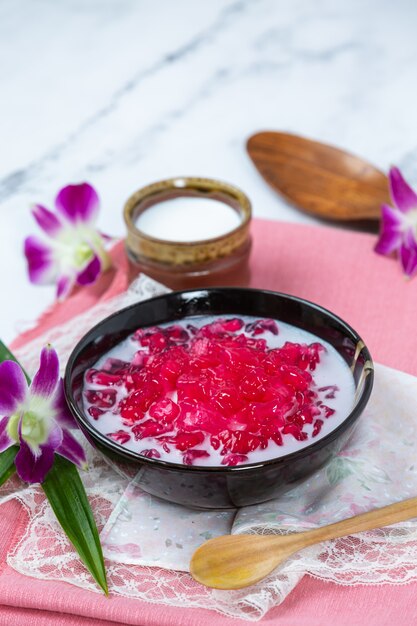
377 467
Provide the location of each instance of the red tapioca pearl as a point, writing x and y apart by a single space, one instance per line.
317 427
298 379
164 410
95 412
296 420
221 377
199 417
233 325
306 414
130 414
328 412
227 401
215 442
169 373
330 391
189 457
150 453
314 351
200 347
239 422
278 391
142 398
295 431
234 459
193 386
150 428
197 364
142 335
98 377
121 436
271 365
157 343
166 448
269 412
140 358
239 441
251 418
103 398
176 334
276 437
260 345
289 353
222 327
253 386
183 441
210 331
115 366
261 326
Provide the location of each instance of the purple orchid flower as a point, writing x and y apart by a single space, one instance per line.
399 223
75 253
36 418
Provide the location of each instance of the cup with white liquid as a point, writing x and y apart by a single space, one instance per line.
190 232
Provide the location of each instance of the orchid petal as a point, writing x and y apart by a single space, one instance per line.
33 465
90 273
46 378
5 440
49 223
408 254
41 262
33 468
71 449
78 203
13 387
390 236
64 286
402 194
62 413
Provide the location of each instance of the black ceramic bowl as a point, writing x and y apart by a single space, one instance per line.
221 487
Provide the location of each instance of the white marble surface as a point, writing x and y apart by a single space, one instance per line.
125 92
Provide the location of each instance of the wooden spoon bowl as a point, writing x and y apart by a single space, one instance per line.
319 179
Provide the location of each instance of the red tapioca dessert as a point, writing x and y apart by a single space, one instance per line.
218 391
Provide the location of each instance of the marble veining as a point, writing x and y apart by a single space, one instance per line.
124 92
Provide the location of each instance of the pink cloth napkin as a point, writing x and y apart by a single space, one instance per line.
335 268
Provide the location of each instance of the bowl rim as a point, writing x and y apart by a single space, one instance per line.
130 455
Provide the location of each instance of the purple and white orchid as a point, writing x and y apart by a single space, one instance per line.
399 223
75 253
36 418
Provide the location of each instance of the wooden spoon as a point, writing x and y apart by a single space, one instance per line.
319 179
236 561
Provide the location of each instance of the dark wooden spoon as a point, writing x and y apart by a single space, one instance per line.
319 179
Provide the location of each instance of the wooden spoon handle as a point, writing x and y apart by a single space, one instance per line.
391 514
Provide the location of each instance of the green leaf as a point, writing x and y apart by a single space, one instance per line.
6 355
7 467
67 497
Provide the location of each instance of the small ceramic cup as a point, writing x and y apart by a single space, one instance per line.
182 264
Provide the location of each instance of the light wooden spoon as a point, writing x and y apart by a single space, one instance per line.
236 561
319 179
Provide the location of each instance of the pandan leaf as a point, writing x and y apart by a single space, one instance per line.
6 355
7 467
68 499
